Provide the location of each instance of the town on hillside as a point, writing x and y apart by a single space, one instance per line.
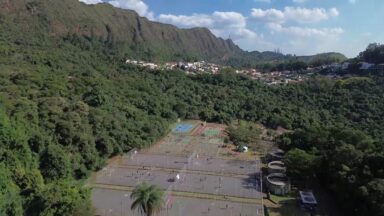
275 77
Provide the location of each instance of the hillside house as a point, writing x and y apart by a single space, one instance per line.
366 66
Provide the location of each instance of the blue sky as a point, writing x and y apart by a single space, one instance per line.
301 27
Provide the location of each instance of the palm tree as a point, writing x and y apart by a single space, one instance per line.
148 199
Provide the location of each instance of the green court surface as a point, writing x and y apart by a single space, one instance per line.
211 132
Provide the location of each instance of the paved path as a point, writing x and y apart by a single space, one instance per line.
177 170
112 202
194 163
184 194
246 186
197 182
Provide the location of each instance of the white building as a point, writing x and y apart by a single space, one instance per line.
366 66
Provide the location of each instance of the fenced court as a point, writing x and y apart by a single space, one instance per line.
209 132
187 166
195 163
245 187
173 144
183 128
209 129
192 137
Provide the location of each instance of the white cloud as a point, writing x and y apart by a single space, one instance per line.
263 1
297 39
217 19
300 39
229 19
296 14
300 1
305 31
91 1
241 33
137 5
310 41
194 20
334 12
222 24
352 1
269 15
309 15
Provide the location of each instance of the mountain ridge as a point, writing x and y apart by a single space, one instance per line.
135 36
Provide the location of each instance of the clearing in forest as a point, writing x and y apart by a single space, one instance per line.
199 174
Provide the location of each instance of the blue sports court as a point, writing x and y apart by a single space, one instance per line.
182 128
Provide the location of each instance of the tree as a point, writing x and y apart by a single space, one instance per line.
148 199
10 200
95 97
245 134
374 53
373 195
54 163
300 163
62 198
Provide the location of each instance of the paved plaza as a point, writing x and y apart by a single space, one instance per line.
195 182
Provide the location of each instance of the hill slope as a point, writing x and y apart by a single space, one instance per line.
122 28
38 21
67 105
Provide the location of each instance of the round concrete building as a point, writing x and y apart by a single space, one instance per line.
278 183
276 155
276 167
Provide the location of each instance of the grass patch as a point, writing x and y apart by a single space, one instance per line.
286 205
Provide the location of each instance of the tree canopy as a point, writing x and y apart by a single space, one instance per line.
346 161
74 103
148 199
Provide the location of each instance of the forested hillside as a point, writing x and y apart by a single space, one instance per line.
31 22
125 30
70 104
373 54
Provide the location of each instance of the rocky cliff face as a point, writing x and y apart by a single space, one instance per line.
122 27
35 22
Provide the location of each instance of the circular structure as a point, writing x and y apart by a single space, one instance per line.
276 167
276 155
278 184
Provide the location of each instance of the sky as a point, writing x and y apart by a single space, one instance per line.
301 27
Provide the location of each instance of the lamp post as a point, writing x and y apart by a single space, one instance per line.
261 189
122 210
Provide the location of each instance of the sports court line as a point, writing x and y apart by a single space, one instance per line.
201 157
219 173
185 194
198 130
191 144
167 169
226 160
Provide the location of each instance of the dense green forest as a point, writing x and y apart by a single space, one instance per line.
281 62
244 133
373 54
272 61
69 104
